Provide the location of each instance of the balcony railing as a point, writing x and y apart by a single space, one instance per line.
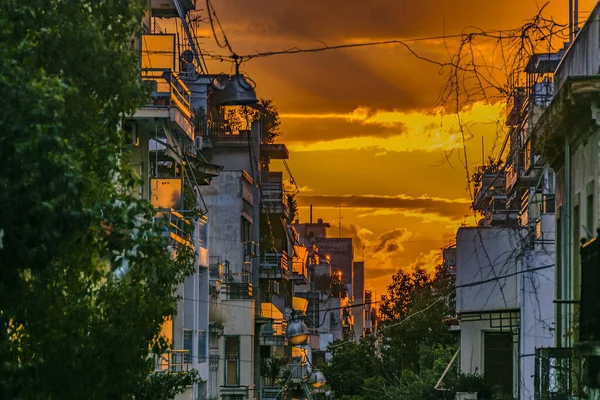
299 371
271 392
512 175
172 361
178 228
557 374
216 271
168 90
274 265
490 185
238 285
273 197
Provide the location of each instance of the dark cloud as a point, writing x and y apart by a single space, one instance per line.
385 77
432 205
392 248
352 231
387 238
380 272
337 19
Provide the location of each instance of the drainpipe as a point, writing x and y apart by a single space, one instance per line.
567 246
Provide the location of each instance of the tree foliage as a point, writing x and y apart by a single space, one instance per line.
86 279
233 119
412 349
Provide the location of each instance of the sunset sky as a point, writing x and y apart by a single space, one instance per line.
362 125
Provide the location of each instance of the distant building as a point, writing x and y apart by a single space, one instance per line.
358 309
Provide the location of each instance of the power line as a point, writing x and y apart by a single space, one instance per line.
494 34
212 13
418 312
495 279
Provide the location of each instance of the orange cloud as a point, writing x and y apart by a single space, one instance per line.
423 131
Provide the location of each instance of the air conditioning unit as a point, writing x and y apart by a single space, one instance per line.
251 249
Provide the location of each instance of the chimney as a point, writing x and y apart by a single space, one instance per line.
310 214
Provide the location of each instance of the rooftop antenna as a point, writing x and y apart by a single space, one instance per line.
340 220
575 17
482 150
310 218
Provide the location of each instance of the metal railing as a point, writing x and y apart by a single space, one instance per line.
168 90
274 260
279 327
298 370
271 392
238 285
216 271
179 228
171 361
557 374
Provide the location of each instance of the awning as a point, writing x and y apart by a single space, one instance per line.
299 304
268 310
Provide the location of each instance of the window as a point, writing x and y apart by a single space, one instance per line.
245 230
232 360
498 360
202 346
187 345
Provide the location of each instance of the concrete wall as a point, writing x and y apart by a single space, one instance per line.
224 202
239 315
536 298
486 267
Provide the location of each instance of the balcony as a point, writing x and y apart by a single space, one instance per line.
273 334
178 228
299 268
170 101
517 177
271 392
171 361
234 392
298 371
238 286
491 184
274 266
273 198
515 106
216 269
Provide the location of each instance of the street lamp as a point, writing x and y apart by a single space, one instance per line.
236 92
297 332
317 379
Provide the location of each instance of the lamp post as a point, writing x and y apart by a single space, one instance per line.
297 332
317 379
